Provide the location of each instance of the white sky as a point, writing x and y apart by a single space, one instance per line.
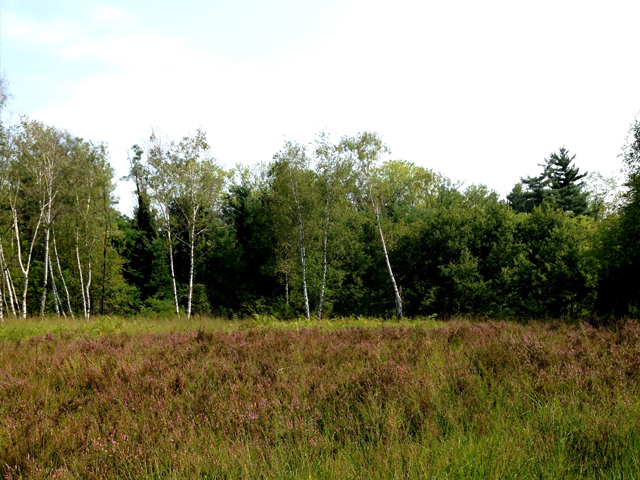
481 91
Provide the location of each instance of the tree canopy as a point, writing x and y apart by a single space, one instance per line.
335 228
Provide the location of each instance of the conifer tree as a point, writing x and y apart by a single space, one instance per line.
565 182
560 181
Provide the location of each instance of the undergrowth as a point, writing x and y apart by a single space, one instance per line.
379 400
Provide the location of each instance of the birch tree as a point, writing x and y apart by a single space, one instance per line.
8 294
27 201
91 175
367 149
292 185
4 189
199 188
333 167
43 149
4 268
160 175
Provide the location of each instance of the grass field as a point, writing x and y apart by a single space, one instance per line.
355 398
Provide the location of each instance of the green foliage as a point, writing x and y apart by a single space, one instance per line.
620 252
560 181
565 183
551 275
328 231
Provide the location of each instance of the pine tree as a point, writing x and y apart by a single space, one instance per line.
565 182
560 181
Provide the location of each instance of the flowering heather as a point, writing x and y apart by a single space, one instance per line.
488 400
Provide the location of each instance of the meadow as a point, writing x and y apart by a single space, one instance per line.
348 398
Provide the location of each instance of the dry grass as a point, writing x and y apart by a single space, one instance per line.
468 400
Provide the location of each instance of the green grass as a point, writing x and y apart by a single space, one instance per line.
20 329
348 398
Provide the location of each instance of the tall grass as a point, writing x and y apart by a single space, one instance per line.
19 329
468 400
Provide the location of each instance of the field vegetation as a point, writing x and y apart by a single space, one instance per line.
340 279
350 398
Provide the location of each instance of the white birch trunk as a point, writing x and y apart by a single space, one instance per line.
303 263
25 270
301 244
8 282
386 257
2 292
89 248
54 290
64 283
192 241
11 289
84 299
13 296
89 271
173 274
324 260
43 302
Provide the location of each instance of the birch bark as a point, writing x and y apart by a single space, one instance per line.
173 273
24 268
192 241
386 257
324 259
46 253
301 246
6 280
161 179
54 289
64 283
368 147
84 299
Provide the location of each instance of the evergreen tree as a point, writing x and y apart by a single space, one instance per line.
565 183
528 194
560 181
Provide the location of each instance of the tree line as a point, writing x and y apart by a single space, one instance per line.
322 229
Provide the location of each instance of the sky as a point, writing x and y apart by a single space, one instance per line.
482 92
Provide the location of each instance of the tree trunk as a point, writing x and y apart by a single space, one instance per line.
15 304
286 287
6 280
192 242
301 246
54 289
386 257
16 311
303 263
25 270
173 274
104 253
324 260
43 302
89 271
84 299
11 289
64 283
2 292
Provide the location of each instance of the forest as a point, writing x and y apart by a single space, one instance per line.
321 230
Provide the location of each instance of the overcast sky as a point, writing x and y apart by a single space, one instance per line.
481 91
